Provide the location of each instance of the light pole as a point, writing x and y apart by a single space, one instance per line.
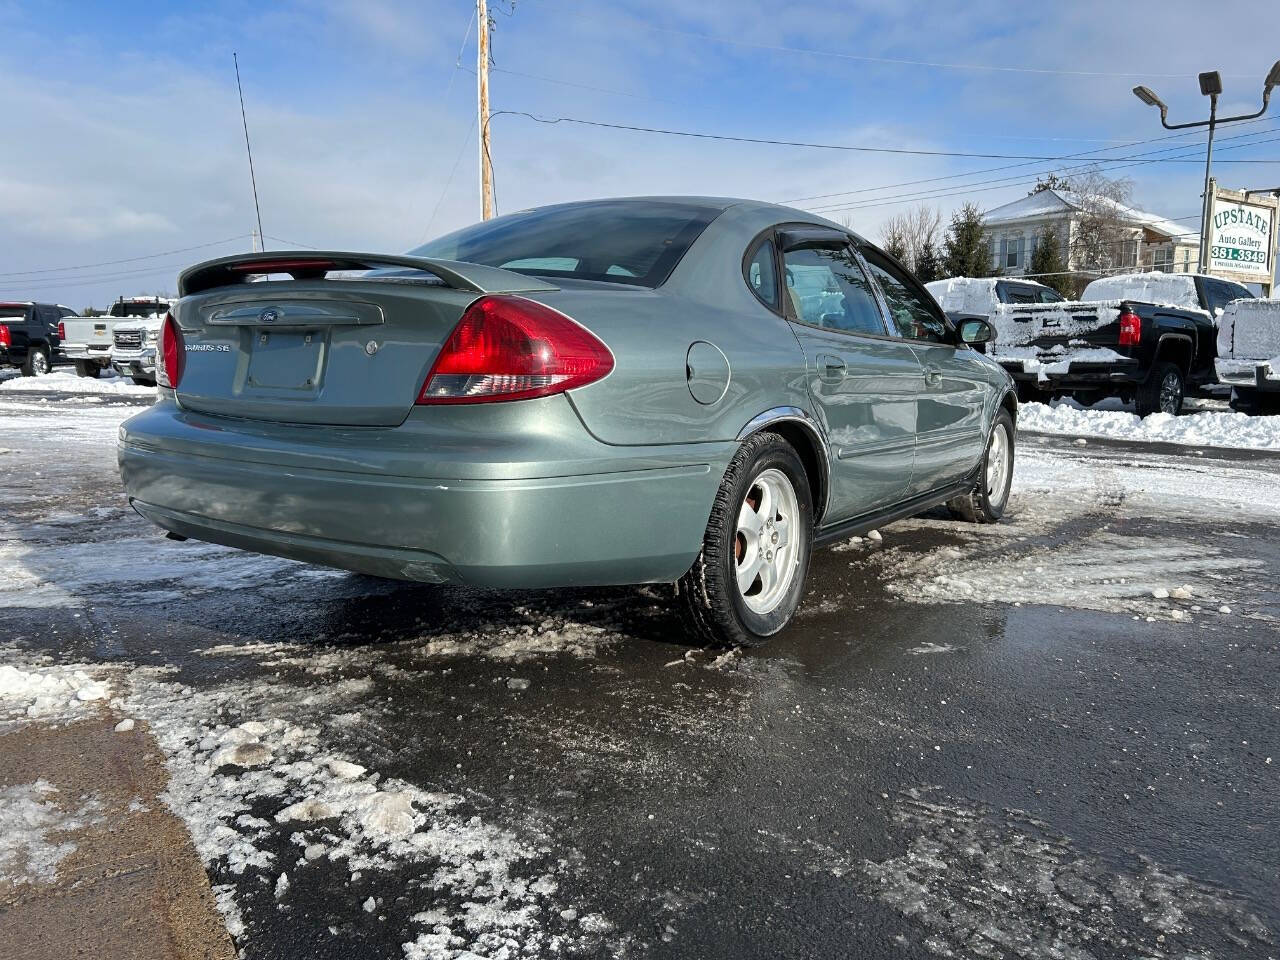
1211 87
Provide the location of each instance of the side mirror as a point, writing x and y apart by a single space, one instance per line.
976 330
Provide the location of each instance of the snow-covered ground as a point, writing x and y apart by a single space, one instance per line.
61 381
1111 419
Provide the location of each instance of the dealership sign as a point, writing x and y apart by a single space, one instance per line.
1242 236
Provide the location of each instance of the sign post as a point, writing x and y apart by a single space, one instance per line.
1241 237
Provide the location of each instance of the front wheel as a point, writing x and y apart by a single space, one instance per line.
985 503
749 577
1162 392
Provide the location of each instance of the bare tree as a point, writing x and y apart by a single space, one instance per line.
909 234
1104 236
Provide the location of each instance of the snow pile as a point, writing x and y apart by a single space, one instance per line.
1019 324
1170 289
1250 330
965 294
29 817
51 693
59 381
270 798
1197 429
994 885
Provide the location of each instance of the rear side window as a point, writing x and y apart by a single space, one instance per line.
827 288
623 241
762 274
1019 295
1050 296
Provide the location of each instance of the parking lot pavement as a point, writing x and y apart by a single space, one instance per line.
1049 738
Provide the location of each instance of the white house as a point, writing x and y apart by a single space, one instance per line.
1151 242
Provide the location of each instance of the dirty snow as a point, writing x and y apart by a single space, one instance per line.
1001 884
49 692
269 799
1208 429
34 818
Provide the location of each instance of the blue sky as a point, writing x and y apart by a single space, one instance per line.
124 136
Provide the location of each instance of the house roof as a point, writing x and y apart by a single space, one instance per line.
1051 201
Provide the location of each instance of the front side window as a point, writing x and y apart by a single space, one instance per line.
1218 293
827 288
1048 295
912 311
762 274
621 241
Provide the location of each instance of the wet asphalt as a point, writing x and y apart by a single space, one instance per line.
881 781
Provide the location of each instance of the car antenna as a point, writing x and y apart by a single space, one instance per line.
262 241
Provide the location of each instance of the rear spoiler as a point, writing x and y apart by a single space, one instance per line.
317 264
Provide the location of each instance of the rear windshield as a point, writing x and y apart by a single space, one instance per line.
149 309
13 311
623 241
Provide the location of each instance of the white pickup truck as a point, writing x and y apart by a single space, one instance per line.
133 345
88 341
1249 354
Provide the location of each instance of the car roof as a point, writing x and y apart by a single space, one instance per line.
783 214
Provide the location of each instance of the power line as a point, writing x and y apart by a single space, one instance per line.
109 263
982 187
895 61
1011 166
815 146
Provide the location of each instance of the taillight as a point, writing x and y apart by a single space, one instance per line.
1130 329
4 336
62 330
173 354
510 348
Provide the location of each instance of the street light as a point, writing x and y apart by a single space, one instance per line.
1211 87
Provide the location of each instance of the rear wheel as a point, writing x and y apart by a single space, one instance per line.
747 582
985 503
1028 392
143 381
37 362
1087 398
87 368
1254 402
1162 392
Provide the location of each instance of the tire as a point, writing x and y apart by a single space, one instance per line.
986 502
87 368
1162 391
37 362
721 612
143 381
1087 398
1254 402
1029 392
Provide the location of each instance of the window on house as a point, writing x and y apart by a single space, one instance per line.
1011 249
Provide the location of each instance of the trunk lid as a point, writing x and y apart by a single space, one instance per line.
349 351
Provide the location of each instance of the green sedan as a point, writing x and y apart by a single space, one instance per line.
643 390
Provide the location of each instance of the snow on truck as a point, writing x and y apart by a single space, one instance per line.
1147 338
89 341
1249 354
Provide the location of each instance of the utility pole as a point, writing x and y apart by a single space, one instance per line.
482 84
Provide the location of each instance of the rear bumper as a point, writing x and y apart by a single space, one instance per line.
82 351
1072 375
618 523
1257 375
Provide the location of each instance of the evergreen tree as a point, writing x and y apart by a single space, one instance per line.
967 253
1047 265
929 264
896 247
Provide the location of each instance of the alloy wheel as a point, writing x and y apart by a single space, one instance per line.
998 461
765 544
39 364
1170 392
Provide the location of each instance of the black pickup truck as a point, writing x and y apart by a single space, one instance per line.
1147 338
29 336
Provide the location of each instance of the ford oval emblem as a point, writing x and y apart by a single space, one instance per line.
270 315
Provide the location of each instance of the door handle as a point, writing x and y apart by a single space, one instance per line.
830 367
